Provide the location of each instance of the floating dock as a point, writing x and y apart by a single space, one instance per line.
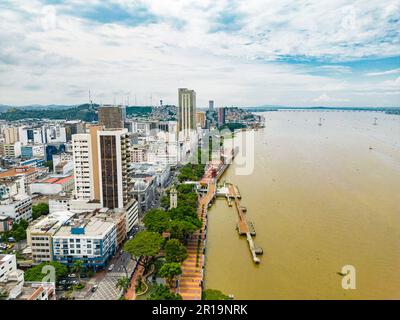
244 226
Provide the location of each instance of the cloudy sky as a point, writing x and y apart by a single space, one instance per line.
253 52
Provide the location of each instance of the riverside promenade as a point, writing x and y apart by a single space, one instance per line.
191 279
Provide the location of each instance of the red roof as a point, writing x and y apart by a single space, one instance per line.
56 180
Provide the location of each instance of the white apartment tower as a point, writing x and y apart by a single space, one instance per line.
86 165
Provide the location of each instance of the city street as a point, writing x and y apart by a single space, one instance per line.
107 280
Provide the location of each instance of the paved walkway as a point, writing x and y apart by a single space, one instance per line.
190 281
131 292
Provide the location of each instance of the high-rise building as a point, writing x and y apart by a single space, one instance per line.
186 111
114 159
86 164
211 105
112 117
101 160
221 116
11 135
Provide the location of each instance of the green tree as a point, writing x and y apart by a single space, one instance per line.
181 229
211 294
18 231
140 285
165 202
145 244
161 292
123 283
35 273
156 220
175 251
77 267
185 188
39 210
170 271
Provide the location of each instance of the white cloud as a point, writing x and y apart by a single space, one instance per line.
384 73
325 98
67 54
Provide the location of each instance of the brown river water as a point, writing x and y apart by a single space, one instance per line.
320 198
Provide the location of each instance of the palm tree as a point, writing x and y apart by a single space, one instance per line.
78 264
123 283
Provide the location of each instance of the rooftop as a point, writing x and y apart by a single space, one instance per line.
56 180
24 170
92 228
52 222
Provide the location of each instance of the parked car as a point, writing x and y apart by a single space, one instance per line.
94 288
72 275
11 239
110 268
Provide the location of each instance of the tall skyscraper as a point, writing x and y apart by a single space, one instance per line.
186 111
114 159
112 117
101 161
221 116
86 168
211 105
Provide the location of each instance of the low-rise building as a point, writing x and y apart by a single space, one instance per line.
53 185
17 207
40 235
8 267
12 150
87 239
37 291
30 174
139 153
143 190
33 151
5 223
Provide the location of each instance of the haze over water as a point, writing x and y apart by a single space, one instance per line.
320 199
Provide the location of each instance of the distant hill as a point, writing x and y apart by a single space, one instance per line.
392 110
84 112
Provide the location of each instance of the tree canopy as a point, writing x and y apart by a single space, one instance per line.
175 251
191 172
39 210
145 244
35 273
211 294
169 271
161 292
157 220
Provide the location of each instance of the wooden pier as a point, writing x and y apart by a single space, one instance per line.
244 226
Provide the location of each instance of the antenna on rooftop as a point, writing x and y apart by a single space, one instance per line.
90 100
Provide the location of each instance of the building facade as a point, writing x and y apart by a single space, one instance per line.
40 235
114 159
186 112
86 164
91 241
17 207
112 117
